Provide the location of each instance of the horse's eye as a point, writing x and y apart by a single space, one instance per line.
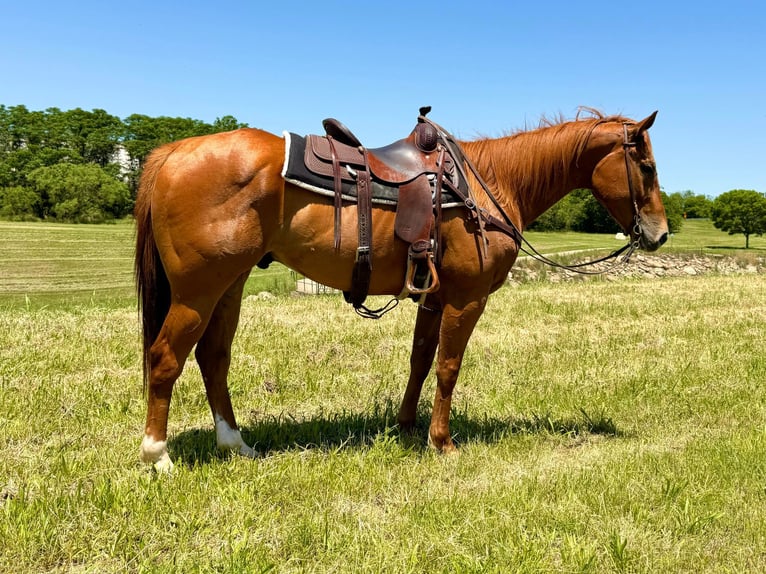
647 168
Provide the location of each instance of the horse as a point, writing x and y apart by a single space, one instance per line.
210 208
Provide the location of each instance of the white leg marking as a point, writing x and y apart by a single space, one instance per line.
230 439
156 452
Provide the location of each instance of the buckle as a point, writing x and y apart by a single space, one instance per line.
362 252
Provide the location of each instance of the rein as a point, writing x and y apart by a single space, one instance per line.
507 226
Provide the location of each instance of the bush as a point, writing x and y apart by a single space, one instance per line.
674 211
19 203
80 193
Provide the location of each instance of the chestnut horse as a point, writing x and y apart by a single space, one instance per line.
210 208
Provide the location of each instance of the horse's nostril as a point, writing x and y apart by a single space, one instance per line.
663 238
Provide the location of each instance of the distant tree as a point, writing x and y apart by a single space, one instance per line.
33 140
592 217
94 136
698 206
562 216
693 206
227 123
577 211
80 193
740 211
21 128
674 210
19 203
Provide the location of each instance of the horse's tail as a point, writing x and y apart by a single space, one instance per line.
152 283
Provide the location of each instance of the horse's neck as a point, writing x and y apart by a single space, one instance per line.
530 171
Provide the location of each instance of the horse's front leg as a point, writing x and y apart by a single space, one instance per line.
424 343
457 324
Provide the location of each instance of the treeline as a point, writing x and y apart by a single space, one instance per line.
579 211
81 166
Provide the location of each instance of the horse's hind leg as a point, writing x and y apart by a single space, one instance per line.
182 328
424 342
213 355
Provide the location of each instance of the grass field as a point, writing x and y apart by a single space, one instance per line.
58 264
696 235
603 427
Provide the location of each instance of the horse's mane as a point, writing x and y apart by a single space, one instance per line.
517 157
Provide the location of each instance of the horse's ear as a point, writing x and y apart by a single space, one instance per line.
646 123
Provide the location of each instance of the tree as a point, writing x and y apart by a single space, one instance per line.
19 203
740 211
107 152
94 136
695 206
562 216
674 210
80 193
593 217
227 123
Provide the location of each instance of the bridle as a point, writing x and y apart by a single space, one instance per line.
626 145
507 226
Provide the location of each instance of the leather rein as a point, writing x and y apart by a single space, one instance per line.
507 226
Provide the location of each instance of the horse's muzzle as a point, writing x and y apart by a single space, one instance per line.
648 244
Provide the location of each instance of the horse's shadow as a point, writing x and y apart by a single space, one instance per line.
336 431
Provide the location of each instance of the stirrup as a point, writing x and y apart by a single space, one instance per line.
431 284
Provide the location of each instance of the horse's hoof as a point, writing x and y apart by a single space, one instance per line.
407 427
450 449
164 465
246 451
446 447
156 453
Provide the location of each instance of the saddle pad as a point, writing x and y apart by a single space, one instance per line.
294 171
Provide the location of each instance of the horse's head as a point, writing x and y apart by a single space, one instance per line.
625 181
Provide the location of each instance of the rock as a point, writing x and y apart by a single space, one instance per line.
262 296
646 267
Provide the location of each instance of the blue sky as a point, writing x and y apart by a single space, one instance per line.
486 67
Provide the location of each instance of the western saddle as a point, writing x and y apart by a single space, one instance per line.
420 167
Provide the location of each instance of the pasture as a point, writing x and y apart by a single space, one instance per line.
602 427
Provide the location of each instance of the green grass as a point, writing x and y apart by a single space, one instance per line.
603 427
699 235
696 235
57 264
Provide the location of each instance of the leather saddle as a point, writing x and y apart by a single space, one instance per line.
419 166
409 164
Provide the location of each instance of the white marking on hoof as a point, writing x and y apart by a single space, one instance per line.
155 452
245 450
228 438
